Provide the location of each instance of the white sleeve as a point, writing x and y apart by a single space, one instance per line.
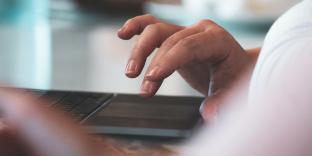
279 123
278 120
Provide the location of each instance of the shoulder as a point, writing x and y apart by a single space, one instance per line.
287 48
294 24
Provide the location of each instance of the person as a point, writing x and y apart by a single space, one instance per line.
276 119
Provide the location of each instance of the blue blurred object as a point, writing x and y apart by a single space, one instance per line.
9 8
25 40
12 10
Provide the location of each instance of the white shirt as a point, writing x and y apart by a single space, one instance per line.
290 35
278 120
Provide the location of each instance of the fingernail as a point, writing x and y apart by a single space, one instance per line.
147 88
131 68
121 29
152 73
209 111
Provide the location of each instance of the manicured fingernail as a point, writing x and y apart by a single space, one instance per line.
131 68
147 88
152 73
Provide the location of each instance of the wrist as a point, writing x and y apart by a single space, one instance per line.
253 55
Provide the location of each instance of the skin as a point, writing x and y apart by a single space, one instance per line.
208 58
204 54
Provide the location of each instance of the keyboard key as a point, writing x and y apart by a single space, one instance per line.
79 116
39 93
70 101
53 97
90 104
79 104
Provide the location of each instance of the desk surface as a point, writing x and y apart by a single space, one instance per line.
142 146
74 52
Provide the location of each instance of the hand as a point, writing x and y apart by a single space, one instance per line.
204 54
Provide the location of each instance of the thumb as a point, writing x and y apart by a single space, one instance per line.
208 110
210 106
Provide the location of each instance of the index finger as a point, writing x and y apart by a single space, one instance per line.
136 25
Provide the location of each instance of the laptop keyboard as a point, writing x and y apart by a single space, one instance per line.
79 104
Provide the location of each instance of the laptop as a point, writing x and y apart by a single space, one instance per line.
126 114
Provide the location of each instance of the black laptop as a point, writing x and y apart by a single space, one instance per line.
124 114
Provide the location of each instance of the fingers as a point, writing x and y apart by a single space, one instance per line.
205 46
209 108
173 40
151 38
179 46
177 51
183 33
136 25
149 88
182 53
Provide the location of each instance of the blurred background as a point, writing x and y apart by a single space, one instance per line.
72 44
